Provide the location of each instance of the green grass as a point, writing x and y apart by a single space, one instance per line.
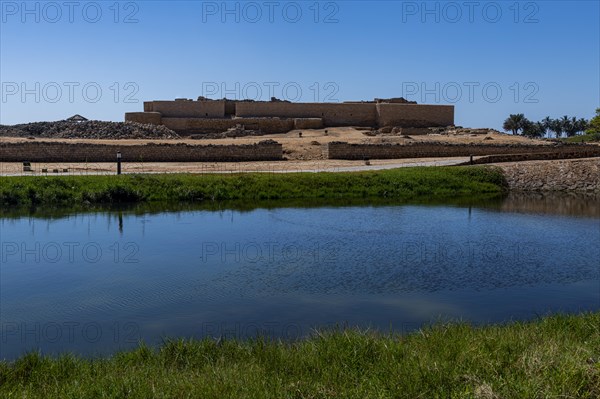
553 357
400 184
583 138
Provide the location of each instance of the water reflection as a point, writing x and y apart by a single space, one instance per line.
557 203
99 280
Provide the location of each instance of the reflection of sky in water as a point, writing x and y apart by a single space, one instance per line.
200 273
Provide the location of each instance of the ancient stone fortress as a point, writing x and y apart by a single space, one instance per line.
213 116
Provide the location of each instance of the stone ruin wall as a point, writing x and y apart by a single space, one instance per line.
44 151
412 115
333 114
187 108
186 116
198 125
342 150
146 118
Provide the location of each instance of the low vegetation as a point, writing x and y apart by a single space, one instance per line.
553 357
583 138
398 184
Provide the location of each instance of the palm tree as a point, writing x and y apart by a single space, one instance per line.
570 126
532 129
582 125
514 123
547 122
541 128
556 126
565 124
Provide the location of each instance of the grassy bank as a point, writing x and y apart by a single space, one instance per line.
583 138
558 356
401 184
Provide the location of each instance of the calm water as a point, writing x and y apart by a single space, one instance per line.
92 283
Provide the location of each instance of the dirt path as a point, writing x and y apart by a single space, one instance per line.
14 168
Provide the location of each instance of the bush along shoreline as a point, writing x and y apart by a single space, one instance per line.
397 184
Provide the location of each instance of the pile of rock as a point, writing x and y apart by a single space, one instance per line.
447 130
459 130
398 131
233 132
88 130
394 100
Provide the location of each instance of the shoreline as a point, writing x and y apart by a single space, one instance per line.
394 184
379 180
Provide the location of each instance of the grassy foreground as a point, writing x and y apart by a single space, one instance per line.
401 184
552 357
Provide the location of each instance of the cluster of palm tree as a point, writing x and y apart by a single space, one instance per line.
519 124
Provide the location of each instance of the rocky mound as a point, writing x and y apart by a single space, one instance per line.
233 132
88 130
463 130
448 130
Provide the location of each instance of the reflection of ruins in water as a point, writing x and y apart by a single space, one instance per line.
551 203
556 203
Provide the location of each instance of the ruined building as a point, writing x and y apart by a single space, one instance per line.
275 116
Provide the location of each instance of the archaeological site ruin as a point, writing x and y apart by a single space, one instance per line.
212 116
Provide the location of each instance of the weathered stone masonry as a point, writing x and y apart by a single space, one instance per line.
209 116
342 150
40 151
575 175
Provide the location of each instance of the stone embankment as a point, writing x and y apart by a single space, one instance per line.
344 150
575 175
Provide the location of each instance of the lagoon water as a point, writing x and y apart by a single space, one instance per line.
95 282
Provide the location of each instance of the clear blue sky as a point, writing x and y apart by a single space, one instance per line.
543 56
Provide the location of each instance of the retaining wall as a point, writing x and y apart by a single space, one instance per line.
198 125
573 175
332 114
81 152
413 115
341 150
542 156
187 109
154 118
308 123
